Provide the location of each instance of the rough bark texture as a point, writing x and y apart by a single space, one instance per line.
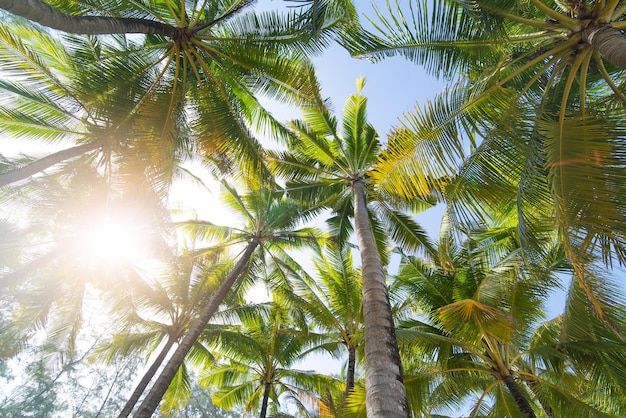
46 15
152 400
519 396
45 162
384 388
609 41
147 377
351 369
266 399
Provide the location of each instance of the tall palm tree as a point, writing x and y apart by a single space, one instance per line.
270 221
332 302
553 138
481 331
256 359
156 316
329 165
210 60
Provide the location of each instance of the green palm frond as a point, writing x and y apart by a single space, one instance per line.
585 167
205 231
421 278
404 231
35 104
355 404
473 321
596 294
319 13
112 8
246 394
425 149
332 302
177 393
22 59
127 344
439 37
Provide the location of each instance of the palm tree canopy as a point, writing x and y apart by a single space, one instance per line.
228 57
276 221
258 353
552 146
326 157
482 317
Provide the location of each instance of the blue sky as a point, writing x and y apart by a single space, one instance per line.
393 86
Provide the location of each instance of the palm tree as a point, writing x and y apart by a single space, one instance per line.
553 138
329 166
84 95
256 359
54 17
218 60
481 331
332 302
451 32
270 219
156 316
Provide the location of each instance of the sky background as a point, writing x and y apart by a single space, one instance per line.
394 86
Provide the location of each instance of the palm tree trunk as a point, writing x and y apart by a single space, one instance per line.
384 389
152 400
47 161
609 41
266 398
147 377
519 396
351 369
46 15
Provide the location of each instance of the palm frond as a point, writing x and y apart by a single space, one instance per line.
441 37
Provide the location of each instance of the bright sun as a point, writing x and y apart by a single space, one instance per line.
110 241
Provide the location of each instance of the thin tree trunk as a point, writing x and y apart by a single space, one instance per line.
46 15
152 400
147 377
384 388
266 398
108 395
47 161
351 369
519 396
609 41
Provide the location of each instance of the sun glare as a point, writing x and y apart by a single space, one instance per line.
110 241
